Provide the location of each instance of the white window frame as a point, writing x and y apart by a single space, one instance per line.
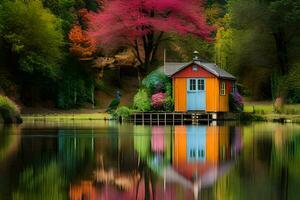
223 88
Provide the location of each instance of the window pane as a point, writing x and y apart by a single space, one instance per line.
200 84
194 84
223 88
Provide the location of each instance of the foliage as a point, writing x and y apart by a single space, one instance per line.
169 104
236 103
141 101
158 100
82 45
156 81
7 104
290 85
181 48
66 9
34 34
248 117
142 24
271 37
123 112
9 110
75 88
160 89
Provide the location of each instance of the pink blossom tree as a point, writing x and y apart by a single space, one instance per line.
142 24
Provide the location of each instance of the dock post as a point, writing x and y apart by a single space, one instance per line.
181 118
208 119
134 118
151 118
157 118
165 118
173 119
143 118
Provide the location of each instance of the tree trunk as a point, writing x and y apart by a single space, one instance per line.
281 49
150 44
93 95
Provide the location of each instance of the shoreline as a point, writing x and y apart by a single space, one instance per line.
282 118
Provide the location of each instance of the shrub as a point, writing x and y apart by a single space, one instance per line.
236 102
123 112
168 88
158 100
169 105
247 117
6 103
156 82
141 101
289 86
9 111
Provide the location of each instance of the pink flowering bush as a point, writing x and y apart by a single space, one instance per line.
236 103
158 100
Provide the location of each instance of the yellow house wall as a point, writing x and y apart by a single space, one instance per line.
179 91
224 99
212 95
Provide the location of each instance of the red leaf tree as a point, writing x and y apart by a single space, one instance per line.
141 24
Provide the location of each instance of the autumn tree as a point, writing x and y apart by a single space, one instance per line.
82 45
142 24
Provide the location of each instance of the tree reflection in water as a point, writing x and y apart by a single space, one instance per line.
255 161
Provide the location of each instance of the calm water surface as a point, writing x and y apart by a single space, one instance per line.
108 161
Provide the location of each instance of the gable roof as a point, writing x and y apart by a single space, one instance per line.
172 68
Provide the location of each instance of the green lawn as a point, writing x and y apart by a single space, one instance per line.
267 108
290 112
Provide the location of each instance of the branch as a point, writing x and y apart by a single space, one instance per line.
136 47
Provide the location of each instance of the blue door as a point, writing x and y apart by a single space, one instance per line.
196 98
196 143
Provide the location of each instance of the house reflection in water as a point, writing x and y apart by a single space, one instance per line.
159 162
201 154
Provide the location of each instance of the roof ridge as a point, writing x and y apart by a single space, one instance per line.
210 67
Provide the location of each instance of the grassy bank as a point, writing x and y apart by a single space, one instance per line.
67 116
289 113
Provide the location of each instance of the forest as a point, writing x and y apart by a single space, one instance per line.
72 53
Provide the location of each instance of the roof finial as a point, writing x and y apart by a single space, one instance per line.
196 55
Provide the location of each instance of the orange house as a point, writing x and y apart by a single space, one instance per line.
200 86
216 147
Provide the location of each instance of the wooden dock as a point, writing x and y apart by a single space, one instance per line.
174 118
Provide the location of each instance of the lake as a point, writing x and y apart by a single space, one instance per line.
94 160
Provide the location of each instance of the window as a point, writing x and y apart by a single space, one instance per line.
195 68
223 88
192 84
200 84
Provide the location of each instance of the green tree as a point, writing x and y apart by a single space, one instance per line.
32 41
259 39
33 34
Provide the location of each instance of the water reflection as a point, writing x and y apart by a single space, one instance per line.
112 161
